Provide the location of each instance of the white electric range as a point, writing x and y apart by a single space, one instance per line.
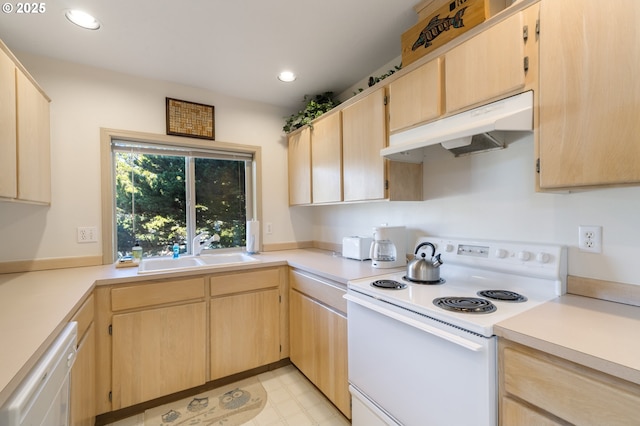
413 360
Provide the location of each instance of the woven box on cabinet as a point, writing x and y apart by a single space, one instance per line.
444 24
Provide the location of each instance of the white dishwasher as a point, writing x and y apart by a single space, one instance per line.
42 399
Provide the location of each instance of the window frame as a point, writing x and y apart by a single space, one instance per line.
254 204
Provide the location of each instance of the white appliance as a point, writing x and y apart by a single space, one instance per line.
412 361
389 247
480 129
357 248
42 399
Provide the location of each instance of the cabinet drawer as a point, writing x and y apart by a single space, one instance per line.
244 281
84 316
320 290
567 390
514 413
157 293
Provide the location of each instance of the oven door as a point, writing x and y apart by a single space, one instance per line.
416 370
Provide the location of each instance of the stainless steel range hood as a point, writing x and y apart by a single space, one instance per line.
476 130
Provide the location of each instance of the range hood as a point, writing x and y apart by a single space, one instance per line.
476 130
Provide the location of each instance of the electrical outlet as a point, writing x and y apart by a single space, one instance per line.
269 228
87 234
590 238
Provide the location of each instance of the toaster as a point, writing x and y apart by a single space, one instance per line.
356 247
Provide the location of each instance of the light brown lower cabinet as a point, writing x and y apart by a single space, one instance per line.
159 337
537 388
157 352
158 340
318 336
83 372
244 321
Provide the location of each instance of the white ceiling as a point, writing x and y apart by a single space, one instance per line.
235 47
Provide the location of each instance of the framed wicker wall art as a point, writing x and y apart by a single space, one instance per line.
190 119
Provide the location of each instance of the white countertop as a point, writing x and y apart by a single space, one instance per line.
34 306
595 333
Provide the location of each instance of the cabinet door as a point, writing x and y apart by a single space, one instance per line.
589 93
416 97
8 170
363 136
157 352
83 381
245 332
318 347
34 166
326 159
486 66
299 158
302 335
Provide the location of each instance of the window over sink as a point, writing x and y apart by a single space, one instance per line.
164 192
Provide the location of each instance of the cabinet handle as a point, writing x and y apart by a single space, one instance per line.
525 33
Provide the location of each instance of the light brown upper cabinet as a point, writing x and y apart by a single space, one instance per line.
367 175
416 97
363 136
34 164
8 166
299 162
25 169
487 66
589 93
326 159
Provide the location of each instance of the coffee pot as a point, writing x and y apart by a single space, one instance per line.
425 271
388 247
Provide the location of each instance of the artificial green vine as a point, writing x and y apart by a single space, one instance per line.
374 80
314 107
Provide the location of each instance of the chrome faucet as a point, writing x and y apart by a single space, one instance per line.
199 242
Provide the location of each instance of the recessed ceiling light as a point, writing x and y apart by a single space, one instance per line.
82 19
286 76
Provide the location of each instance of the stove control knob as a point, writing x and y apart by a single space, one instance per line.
501 253
524 255
542 257
449 248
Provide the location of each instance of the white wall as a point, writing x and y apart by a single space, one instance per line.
491 196
84 100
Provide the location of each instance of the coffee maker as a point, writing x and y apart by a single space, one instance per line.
389 247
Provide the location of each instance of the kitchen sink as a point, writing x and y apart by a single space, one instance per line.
226 258
164 264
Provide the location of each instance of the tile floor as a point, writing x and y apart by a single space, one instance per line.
292 401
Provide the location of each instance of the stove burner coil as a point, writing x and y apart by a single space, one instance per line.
389 284
472 305
436 282
502 295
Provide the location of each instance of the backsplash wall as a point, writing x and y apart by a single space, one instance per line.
491 196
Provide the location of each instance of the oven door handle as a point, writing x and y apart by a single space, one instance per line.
460 341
